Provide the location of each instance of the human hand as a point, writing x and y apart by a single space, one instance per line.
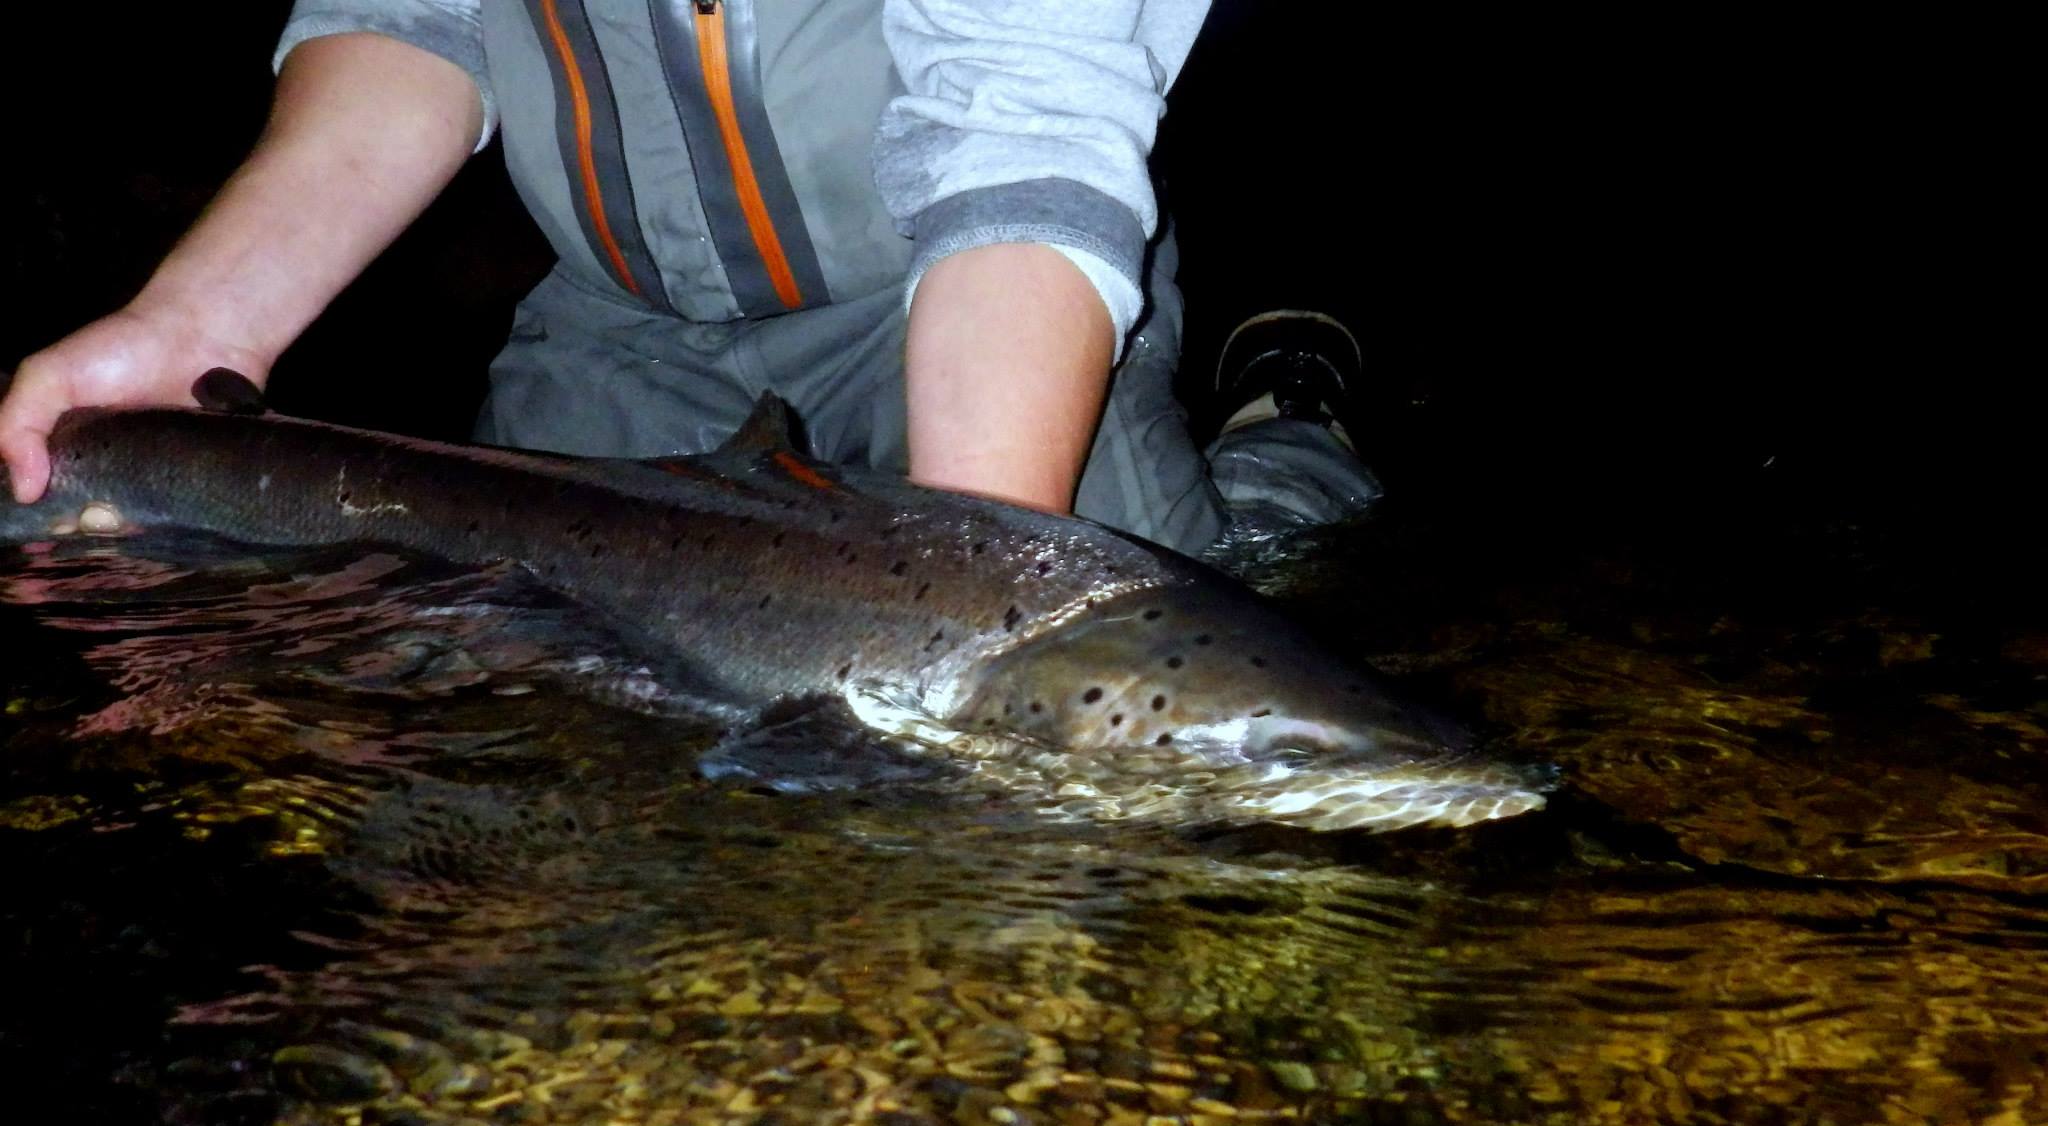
137 356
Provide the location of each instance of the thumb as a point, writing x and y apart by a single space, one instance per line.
24 445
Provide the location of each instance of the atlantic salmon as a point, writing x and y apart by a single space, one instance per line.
1036 649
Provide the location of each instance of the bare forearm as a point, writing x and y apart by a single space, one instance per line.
364 131
1007 361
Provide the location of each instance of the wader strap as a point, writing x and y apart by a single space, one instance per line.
587 129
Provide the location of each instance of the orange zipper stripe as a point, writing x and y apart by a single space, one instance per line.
718 83
586 159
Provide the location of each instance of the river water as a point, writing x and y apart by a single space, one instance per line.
347 836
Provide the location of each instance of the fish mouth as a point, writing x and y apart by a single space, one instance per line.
1372 796
1328 776
1453 792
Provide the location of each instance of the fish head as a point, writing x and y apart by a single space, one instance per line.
1204 704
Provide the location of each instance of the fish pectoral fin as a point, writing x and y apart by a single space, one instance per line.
810 745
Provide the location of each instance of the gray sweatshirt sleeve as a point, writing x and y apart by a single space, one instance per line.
1031 121
452 29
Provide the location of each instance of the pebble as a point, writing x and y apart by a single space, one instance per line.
1293 1075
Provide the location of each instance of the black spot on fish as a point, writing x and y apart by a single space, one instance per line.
1036 707
1092 695
1174 662
596 550
474 527
676 544
1153 615
979 548
1117 720
888 531
843 670
937 636
1262 713
897 568
832 516
1165 737
1045 568
851 558
776 540
763 604
1203 639
1011 617
989 722
1258 662
1006 709
1158 703
921 591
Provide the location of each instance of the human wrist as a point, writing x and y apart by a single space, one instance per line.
215 320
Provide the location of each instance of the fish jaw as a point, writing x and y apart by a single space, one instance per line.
1452 792
1197 703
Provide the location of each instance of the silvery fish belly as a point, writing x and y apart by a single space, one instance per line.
1044 654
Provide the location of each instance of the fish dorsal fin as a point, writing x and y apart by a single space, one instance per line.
770 428
227 391
771 441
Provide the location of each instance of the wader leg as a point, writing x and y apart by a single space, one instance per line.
1289 473
585 374
1144 474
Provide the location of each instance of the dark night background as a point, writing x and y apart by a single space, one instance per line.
1636 265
